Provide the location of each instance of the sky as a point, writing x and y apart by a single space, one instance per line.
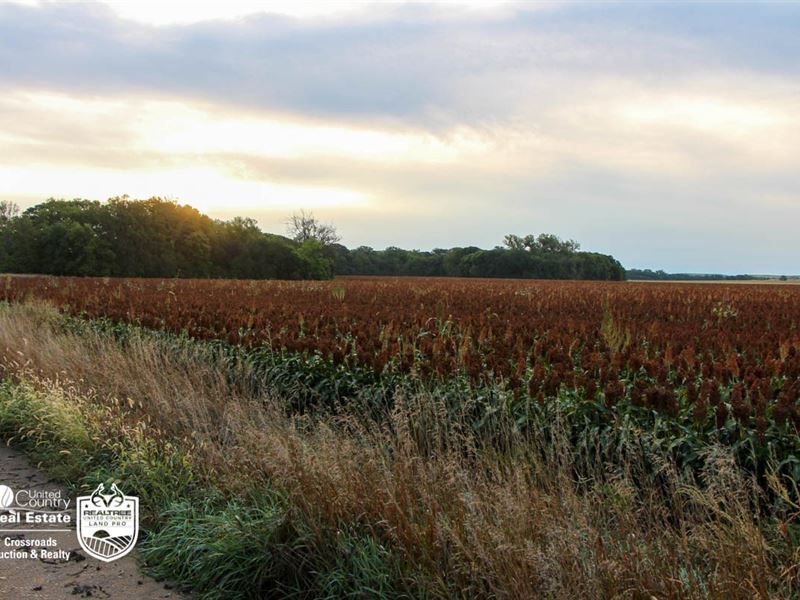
666 134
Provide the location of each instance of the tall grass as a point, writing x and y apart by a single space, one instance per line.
247 498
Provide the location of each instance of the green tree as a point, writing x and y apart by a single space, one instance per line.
316 263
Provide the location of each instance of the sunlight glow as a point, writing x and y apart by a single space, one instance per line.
172 127
207 189
714 115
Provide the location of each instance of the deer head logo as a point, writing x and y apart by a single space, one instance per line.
112 498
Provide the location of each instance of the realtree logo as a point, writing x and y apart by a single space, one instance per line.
108 523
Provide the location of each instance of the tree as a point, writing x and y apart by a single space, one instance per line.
304 226
514 242
544 242
316 265
8 211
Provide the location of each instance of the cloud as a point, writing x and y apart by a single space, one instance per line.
406 62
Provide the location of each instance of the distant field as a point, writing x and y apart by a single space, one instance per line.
725 281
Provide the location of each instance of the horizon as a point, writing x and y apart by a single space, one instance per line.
664 134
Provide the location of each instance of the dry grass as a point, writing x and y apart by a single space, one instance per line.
476 522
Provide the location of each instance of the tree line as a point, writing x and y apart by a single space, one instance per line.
650 275
476 262
160 238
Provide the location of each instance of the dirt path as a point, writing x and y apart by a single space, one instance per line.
67 572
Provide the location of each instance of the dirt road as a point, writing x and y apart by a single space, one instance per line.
59 569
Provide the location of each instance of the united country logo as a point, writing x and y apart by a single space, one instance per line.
108 523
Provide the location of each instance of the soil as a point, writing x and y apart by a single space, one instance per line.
53 576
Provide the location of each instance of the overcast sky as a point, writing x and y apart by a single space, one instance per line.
667 135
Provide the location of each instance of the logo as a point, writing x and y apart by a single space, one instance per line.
6 496
108 523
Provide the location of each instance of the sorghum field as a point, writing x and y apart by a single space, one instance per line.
733 351
631 440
